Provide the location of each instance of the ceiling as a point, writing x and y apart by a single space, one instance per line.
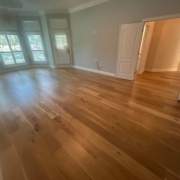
48 6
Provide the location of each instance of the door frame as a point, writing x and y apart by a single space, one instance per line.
145 45
70 48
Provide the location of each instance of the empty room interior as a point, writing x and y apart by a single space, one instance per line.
89 90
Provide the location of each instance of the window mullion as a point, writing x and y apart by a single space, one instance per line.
10 48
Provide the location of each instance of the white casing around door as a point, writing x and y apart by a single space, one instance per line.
128 48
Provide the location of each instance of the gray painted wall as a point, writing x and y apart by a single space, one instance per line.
105 19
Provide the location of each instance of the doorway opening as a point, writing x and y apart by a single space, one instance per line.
160 47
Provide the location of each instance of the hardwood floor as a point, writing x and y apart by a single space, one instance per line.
76 125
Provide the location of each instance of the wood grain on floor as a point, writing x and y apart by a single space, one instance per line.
68 124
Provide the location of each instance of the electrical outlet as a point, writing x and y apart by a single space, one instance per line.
179 97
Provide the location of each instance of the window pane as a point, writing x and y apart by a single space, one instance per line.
35 42
14 42
4 47
61 41
38 55
7 58
19 57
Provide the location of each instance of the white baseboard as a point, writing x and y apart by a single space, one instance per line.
15 69
40 66
63 66
95 71
161 70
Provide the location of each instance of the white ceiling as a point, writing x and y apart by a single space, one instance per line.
48 6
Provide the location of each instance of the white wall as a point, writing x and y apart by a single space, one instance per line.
164 51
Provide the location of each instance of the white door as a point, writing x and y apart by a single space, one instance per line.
128 49
61 47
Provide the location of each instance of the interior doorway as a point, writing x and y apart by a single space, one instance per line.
160 47
135 42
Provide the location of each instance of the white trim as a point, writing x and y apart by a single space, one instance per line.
158 18
95 71
86 5
161 70
64 66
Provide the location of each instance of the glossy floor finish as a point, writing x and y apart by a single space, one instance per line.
76 125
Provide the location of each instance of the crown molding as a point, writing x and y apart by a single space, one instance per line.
86 5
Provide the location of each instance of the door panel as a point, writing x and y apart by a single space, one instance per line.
129 43
128 46
61 47
125 68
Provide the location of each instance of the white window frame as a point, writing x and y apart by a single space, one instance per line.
11 51
44 50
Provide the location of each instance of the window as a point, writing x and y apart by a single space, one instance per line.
61 41
10 49
36 47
